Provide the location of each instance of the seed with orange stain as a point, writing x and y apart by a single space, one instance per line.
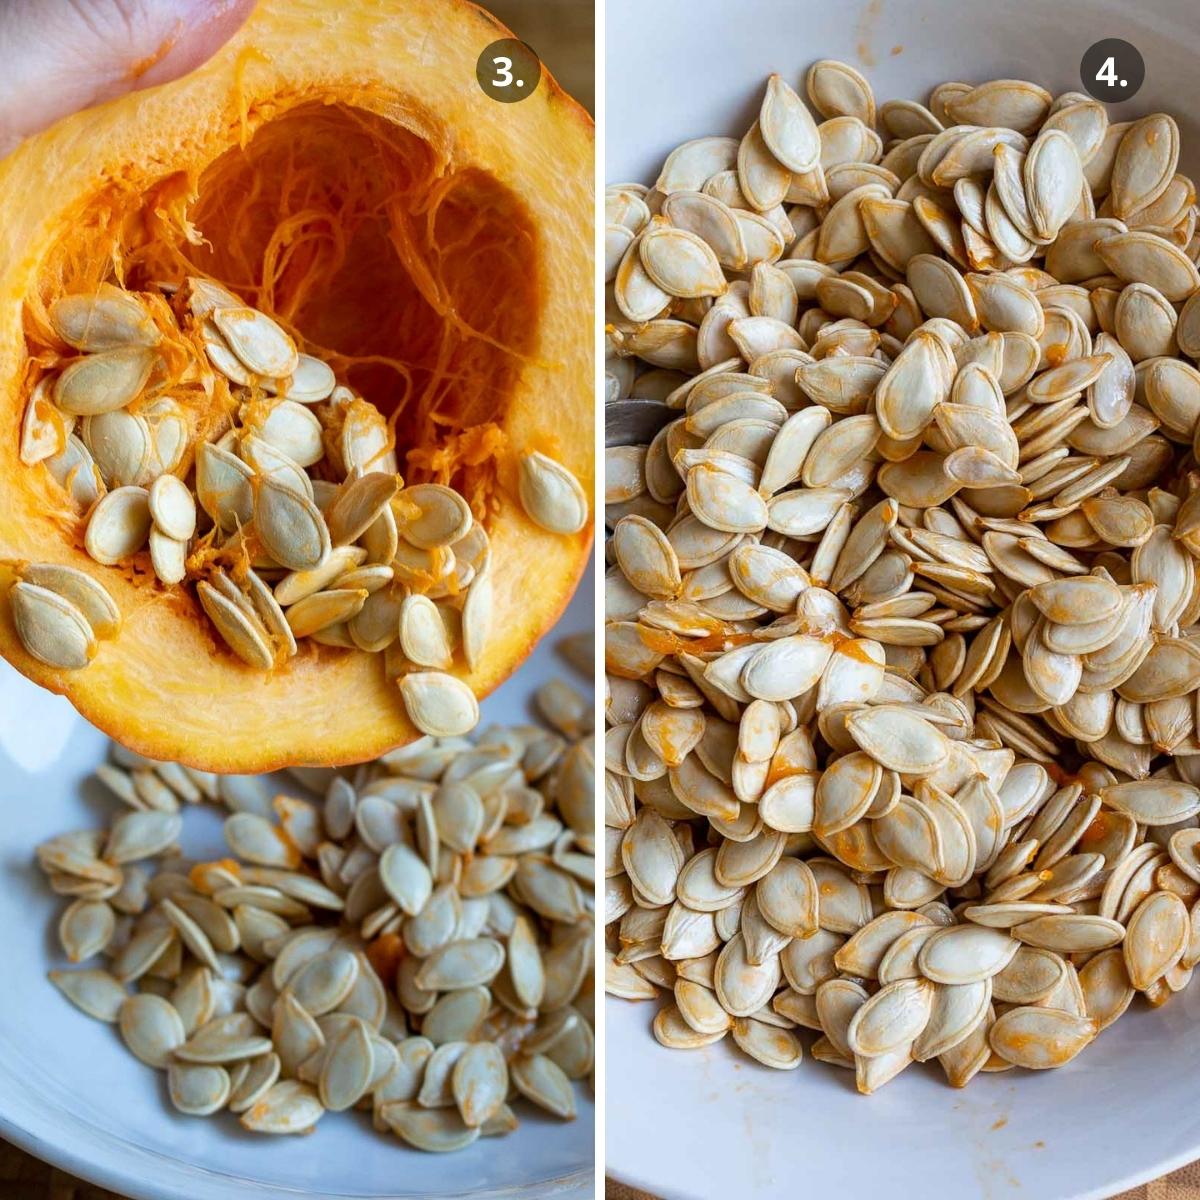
1039 1038
1100 827
1061 776
385 954
857 649
664 642
200 876
781 768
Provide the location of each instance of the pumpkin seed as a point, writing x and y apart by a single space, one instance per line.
423 636
291 527
262 346
439 704
293 431
51 627
105 381
788 128
172 507
437 1130
347 1068
241 632
104 320
543 1081
168 557
119 525
1156 937
893 1017
151 1028
1038 1038
312 380
357 504
476 620
550 495
288 1106
223 486
480 1082
96 992
196 1089
322 609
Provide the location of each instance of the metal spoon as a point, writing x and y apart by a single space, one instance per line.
634 422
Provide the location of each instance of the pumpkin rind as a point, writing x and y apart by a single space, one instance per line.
166 687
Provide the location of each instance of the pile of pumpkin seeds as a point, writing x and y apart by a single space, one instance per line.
418 944
184 423
902 634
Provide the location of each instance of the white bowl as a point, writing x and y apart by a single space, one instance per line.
72 1094
710 1123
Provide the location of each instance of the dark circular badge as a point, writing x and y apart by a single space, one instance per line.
508 71
1112 70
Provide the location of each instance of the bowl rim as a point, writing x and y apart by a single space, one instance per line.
175 1181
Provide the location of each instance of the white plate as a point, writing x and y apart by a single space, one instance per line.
72 1094
709 1123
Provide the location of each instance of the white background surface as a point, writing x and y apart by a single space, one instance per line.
71 1093
709 1123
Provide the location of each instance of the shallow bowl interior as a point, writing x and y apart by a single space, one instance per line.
710 1123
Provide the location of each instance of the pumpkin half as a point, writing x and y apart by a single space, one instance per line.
338 167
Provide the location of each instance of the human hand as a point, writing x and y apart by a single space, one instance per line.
61 56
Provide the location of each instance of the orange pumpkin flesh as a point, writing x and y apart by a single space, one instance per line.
338 167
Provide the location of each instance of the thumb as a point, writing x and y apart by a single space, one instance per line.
64 55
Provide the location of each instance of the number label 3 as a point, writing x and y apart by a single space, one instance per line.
507 71
504 75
